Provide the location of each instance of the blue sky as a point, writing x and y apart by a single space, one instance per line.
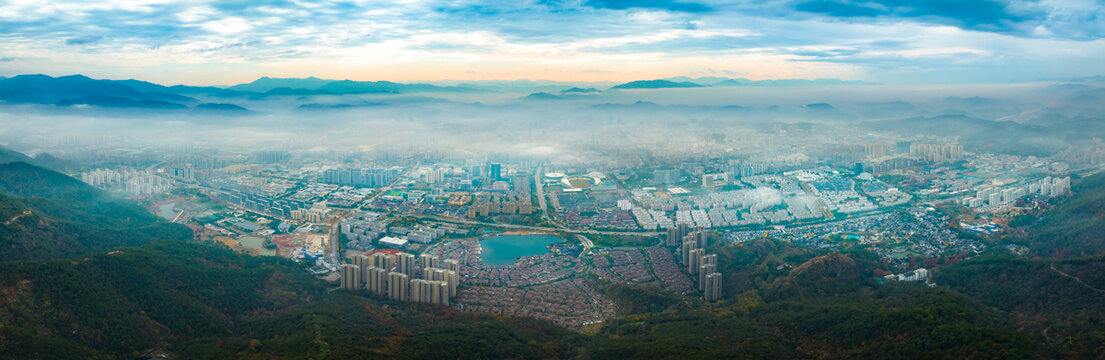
222 42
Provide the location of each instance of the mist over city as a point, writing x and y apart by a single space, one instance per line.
556 123
552 179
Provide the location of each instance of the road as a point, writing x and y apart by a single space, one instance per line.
334 238
335 227
537 183
587 244
17 216
536 228
178 216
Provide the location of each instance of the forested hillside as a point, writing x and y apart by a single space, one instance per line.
1075 226
1061 302
46 215
200 301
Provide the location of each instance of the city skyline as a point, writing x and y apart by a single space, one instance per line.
552 179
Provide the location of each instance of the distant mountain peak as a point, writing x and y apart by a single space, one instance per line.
579 90
265 84
656 84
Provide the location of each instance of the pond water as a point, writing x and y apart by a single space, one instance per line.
256 243
166 210
503 250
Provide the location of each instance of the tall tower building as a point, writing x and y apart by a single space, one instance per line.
713 287
496 171
427 291
699 237
688 247
429 261
419 290
405 264
677 233
376 281
398 286
673 237
453 279
439 292
704 271
383 261
695 260
350 276
709 259
450 264
363 263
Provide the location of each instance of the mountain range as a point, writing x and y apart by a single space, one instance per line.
80 90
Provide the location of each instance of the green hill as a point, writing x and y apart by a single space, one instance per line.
784 301
1061 302
8 156
1075 226
201 301
888 321
125 301
43 160
45 215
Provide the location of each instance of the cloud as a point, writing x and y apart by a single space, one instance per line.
1016 17
969 13
230 25
82 40
6 59
667 5
616 38
826 53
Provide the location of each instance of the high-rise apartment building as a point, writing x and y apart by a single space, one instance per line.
350 277
398 286
496 171
376 280
420 290
450 264
382 260
429 261
688 247
695 260
713 287
703 271
404 263
700 238
677 233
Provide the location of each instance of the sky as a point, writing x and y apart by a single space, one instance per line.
200 42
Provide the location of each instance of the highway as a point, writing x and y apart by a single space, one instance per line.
536 228
336 225
537 184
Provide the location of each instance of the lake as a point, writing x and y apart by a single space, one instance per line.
257 244
503 250
166 210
